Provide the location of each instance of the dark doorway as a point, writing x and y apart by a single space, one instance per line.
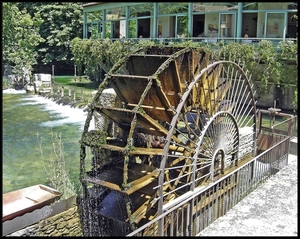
144 27
198 25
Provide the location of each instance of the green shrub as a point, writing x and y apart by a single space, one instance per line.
55 167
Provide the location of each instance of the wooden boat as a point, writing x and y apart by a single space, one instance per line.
19 202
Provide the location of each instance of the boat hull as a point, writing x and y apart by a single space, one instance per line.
19 202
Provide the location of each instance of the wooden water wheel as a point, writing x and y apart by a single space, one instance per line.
180 121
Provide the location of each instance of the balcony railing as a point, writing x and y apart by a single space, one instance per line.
212 40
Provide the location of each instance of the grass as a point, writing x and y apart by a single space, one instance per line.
82 86
80 83
278 126
83 83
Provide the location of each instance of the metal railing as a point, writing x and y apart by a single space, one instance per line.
195 210
210 40
190 216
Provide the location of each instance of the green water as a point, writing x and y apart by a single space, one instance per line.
30 119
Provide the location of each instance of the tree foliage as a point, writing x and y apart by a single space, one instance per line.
62 22
20 36
92 56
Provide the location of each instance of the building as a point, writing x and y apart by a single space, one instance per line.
230 21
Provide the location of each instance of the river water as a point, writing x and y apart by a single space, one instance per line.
30 121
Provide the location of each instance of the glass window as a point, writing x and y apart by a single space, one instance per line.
249 24
227 25
213 6
293 5
132 29
115 13
109 30
292 28
172 8
182 26
140 25
250 6
141 10
173 20
94 16
275 28
94 30
115 27
268 6
271 25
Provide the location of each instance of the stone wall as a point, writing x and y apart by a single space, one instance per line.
66 223
283 98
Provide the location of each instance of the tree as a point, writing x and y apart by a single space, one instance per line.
62 22
20 36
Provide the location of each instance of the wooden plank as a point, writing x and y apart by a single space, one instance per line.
130 88
144 65
141 212
145 123
142 182
149 107
171 84
146 151
103 183
132 76
140 150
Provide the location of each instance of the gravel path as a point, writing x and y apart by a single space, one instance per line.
270 210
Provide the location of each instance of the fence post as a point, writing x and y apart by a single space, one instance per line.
62 91
52 78
69 91
75 73
74 94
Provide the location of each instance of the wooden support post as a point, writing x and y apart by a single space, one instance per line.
62 91
52 78
75 73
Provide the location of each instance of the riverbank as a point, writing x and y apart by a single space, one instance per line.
66 90
58 99
66 100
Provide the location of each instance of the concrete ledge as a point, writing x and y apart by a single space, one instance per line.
270 210
294 146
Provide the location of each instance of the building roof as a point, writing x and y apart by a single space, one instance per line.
92 4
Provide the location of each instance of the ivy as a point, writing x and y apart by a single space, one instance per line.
266 62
